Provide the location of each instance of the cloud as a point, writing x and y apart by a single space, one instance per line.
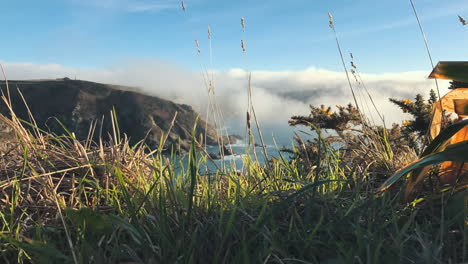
277 95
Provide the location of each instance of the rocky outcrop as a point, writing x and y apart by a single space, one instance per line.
76 104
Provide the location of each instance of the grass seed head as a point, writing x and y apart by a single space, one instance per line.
198 46
243 24
183 5
243 45
209 32
330 20
462 20
211 87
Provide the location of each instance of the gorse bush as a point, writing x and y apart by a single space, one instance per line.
420 110
416 130
369 152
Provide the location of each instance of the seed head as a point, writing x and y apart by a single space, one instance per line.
462 20
183 5
197 44
211 88
243 45
209 32
330 20
354 75
243 24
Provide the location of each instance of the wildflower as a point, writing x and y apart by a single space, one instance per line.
406 123
326 111
407 101
462 20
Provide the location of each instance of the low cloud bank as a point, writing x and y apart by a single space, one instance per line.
277 95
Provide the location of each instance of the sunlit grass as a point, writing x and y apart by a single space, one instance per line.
66 201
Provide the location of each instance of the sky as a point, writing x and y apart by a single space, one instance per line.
280 35
290 49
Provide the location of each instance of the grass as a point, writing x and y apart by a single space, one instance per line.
66 201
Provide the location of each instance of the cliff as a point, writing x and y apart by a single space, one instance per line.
77 103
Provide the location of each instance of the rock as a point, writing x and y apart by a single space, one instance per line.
234 138
214 156
228 151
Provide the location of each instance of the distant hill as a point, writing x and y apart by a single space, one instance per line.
77 103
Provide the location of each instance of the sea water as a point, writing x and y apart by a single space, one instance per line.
276 137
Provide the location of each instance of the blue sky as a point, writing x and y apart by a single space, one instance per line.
281 35
291 50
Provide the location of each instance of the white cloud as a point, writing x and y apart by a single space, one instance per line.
277 95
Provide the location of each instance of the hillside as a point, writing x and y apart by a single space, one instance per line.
77 103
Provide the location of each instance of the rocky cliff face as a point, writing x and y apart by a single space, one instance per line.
77 103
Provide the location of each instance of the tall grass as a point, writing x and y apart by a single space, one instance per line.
251 113
64 200
426 45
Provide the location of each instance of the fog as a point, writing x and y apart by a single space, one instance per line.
277 95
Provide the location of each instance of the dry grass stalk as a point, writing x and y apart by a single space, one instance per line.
332 26
428 53
251 110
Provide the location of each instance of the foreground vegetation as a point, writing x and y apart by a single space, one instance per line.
69 201
63 200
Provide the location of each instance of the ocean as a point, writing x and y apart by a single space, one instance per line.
275 136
